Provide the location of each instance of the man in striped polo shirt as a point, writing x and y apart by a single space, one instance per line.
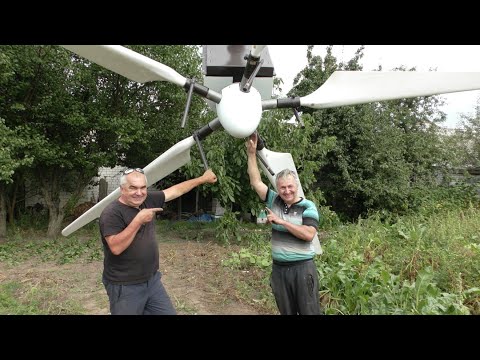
294 279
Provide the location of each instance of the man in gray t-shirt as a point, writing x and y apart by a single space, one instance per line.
130 273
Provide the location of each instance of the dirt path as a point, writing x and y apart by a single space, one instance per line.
198 283
192 273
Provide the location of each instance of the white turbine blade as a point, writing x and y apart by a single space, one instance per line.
256 50
128 63
277 162
172 159
360 87
91 214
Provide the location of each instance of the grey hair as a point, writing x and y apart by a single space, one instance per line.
123 179
284 173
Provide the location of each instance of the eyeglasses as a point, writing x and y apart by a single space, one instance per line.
128 171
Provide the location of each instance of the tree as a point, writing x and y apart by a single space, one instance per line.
89 116
18 146
12 157
382 150
469 138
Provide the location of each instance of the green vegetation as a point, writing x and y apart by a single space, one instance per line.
424 263
83 246
398 237
47 295
41 299
62 119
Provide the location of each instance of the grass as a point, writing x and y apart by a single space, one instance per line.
415 264
183 307
49 276
372 266
35 299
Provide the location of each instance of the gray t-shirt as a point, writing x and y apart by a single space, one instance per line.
138 262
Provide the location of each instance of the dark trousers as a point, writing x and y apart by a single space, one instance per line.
147 298
295 287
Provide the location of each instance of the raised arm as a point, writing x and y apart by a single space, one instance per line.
177 190
253 172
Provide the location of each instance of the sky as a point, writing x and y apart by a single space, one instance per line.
288 60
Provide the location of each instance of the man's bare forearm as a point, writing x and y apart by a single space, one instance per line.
177 190
255 177
252 169
119 242
184 187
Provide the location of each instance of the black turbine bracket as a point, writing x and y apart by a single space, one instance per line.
203 91
251 69
202 133
293 103
299 119
260 146
189 100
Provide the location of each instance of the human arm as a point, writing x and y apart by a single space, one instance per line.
302 232
252 168
177 190
119 242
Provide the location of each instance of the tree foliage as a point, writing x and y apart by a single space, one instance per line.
467 139
88 116
65 117
382 151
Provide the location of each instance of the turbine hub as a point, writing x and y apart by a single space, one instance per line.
239 112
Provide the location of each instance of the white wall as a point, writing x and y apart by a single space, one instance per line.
111 175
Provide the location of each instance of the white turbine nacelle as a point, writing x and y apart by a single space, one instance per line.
239 112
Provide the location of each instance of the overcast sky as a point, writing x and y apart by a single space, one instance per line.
288 60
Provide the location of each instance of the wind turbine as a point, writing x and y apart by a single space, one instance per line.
239 105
